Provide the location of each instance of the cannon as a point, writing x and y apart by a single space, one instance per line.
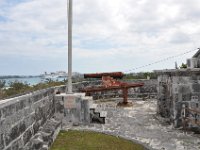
115 75
109 82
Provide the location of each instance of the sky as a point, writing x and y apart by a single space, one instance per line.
114 35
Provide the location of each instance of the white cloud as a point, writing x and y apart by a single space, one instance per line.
131 31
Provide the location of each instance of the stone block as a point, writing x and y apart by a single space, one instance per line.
45 94
85 111
37 144
8 110
9 148
15 132
59 104
183 89
0 115
39 113
36 127
20 105
27 111
5 125
196 87
50 91
186 97
46 136
30 101
27 135
17 145
2 141
16 117
37 96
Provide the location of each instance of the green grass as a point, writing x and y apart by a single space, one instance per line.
86 140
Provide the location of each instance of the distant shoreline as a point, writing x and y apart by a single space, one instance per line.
18 76
31 80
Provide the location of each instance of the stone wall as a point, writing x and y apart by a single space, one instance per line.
73 108
31 121
22 117
179 97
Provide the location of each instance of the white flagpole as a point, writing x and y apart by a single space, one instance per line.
70 11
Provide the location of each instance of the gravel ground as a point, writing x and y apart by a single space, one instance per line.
140 123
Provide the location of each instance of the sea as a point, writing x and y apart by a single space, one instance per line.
31 80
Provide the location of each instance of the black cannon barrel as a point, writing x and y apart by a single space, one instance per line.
115 75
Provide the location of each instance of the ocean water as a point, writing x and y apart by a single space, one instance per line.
30 81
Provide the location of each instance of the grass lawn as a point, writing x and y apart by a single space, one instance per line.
84 140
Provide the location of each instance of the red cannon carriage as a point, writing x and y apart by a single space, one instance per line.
109 82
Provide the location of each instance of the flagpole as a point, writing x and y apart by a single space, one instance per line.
70 11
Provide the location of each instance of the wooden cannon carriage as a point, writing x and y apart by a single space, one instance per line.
109 82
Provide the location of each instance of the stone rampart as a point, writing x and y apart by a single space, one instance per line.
179 97
22 117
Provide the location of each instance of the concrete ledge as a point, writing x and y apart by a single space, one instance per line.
178 72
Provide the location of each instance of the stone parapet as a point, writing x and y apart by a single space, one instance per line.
21 117
179 97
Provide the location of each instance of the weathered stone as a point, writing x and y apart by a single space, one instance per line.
8 110
46 136
27 135
25 116
178 88
45 94
1 142
15 132
39 113
37 144
36 98
30 120
27 111
22 127
0 114
59 104
85 110
45 147
9 148
20 105
17 145
36 127
196 87
50 126
9 137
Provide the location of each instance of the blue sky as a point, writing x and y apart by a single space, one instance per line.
114 35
